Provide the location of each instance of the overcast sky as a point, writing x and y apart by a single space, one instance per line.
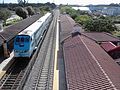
80 2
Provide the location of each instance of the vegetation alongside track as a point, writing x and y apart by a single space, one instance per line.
23 11
91 22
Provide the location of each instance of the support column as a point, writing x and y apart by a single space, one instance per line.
5 49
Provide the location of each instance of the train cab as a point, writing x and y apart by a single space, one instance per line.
22 46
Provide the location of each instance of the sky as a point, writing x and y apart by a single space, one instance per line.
80 2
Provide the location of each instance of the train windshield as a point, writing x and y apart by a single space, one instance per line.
22 39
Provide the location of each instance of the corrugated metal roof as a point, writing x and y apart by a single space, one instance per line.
88 66
101 36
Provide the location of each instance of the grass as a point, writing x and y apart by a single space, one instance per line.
116 33
13 21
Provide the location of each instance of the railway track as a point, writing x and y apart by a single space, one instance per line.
17 75
11 79
45 74
41 76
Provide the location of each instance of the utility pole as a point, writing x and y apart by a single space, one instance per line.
27 1
24 2
3 1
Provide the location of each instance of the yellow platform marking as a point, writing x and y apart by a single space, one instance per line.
2 73
56 72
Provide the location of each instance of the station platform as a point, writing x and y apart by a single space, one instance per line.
5 64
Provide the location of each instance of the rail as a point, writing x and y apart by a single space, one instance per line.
13 75
44 77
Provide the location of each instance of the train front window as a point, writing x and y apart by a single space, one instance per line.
22 39
18 39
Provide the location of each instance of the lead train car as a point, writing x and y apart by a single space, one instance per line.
26 41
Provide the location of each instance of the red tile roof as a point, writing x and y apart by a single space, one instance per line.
88 66
114 49
107 46
110 47
67 24
101 36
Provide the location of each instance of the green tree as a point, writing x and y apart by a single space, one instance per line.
30 10
82 12
82 19
53 5
44 9
100 25
20 11
69 10
37 10
4 14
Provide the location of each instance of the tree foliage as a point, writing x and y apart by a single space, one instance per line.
44 9
72 12
69 10
53 5
20 11
100 25
37 10
30 10
4 14
50 5
83 19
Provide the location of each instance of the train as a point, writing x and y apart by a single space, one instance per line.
28 40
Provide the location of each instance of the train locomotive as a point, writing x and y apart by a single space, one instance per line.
27 40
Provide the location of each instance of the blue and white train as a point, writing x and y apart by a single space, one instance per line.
27 41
